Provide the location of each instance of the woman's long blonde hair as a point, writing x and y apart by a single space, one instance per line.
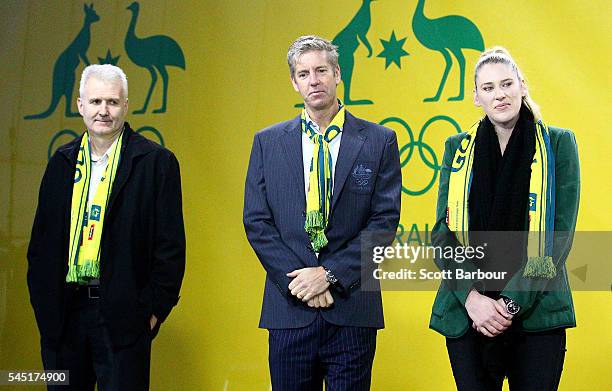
500 55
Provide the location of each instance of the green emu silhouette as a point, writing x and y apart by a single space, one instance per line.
347 41
66 65
450 33
153 53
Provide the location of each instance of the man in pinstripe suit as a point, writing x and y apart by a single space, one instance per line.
315 185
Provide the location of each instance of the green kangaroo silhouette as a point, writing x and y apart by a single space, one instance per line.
450 33
66 65
347 41
152 53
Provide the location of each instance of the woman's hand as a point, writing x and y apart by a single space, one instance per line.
489 317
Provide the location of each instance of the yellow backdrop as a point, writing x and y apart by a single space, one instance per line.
235 81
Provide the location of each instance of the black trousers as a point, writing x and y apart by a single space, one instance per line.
530 361
302 359
86 351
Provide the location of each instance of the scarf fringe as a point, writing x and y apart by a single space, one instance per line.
540 267
314 220
81 274
315 228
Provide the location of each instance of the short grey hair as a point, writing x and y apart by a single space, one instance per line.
307 43
106 73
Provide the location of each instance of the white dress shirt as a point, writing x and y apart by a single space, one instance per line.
98 166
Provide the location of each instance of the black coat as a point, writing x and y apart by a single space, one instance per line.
142 259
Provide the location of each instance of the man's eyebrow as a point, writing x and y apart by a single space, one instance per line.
104 98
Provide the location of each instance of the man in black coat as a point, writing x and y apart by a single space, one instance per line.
97 315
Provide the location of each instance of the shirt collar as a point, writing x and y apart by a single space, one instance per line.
314 124
311 122
104 157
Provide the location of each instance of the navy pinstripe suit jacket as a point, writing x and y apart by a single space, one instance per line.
366 197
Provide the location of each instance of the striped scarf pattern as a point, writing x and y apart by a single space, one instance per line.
87 221
541 200
320 180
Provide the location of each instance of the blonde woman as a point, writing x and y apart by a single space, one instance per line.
510 173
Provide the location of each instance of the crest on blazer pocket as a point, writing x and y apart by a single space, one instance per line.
362 177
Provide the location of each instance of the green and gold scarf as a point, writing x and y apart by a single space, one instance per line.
320 181
87 220
541 200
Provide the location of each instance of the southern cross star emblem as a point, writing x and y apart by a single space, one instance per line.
393 50
109 59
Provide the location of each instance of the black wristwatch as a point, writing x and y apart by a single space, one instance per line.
511 306
329 277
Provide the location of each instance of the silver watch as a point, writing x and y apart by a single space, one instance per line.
512 306
329 277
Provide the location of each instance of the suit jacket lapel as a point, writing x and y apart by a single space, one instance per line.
350 145
292 149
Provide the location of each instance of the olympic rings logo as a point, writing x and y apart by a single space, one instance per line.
426 152
68 134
